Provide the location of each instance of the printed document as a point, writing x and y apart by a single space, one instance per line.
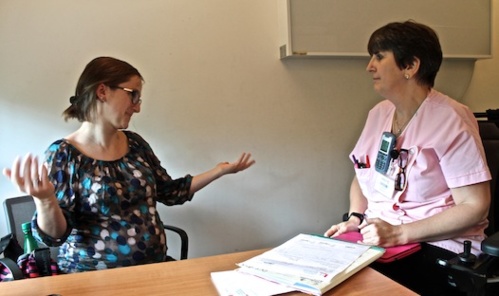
310 263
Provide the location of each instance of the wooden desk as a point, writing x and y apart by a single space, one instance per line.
187 277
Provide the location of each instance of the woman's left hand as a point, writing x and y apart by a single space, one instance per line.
378 232
241 164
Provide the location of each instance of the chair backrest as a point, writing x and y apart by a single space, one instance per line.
479 278
489 132
19 210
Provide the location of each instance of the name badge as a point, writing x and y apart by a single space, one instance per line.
384 185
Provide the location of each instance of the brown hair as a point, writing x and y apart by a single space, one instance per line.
407 41
106 70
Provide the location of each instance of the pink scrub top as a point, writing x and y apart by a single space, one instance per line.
445 151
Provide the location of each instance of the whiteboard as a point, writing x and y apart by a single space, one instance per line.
343 27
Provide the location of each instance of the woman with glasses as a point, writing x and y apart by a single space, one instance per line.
96 196
428 181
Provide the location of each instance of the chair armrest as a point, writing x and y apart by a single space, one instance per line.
14 269
476 276
490 245
184 239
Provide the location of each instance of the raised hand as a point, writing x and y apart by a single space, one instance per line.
30 178
241 164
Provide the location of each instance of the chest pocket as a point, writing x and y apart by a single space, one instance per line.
393 185
425 179
364 178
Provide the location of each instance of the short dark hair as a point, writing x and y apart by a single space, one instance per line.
106 70
409 40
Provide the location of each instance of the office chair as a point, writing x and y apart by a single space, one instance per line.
480 276
184 239
21 209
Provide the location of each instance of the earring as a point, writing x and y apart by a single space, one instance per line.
406 76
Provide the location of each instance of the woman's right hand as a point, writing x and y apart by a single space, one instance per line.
30 178
341 228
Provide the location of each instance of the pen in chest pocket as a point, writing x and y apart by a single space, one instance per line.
359 164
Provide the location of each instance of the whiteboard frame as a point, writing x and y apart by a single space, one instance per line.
286 26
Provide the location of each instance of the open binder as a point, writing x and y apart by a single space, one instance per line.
310 263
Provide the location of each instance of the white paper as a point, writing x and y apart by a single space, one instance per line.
310 263
234 283
307 255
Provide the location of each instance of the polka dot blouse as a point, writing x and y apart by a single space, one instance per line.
110 206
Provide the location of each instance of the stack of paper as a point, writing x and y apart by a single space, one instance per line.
310 263
235 283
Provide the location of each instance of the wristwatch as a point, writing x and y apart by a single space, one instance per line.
358 215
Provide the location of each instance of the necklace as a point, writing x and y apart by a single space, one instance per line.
397 129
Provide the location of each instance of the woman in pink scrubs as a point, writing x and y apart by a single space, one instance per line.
434 188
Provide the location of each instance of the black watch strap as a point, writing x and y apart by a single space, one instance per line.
358 215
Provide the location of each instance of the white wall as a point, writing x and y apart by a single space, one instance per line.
214 88
483 91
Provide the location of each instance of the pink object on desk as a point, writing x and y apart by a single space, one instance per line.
391 253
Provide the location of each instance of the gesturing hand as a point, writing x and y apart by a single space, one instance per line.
241 164
30 178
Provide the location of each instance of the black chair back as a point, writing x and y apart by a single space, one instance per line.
488 124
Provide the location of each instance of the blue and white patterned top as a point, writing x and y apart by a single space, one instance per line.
110 206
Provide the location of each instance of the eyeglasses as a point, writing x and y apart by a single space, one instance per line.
134 94
400 182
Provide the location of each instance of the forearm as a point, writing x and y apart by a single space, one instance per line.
200 181
450 223
50 218
358 203
470 211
